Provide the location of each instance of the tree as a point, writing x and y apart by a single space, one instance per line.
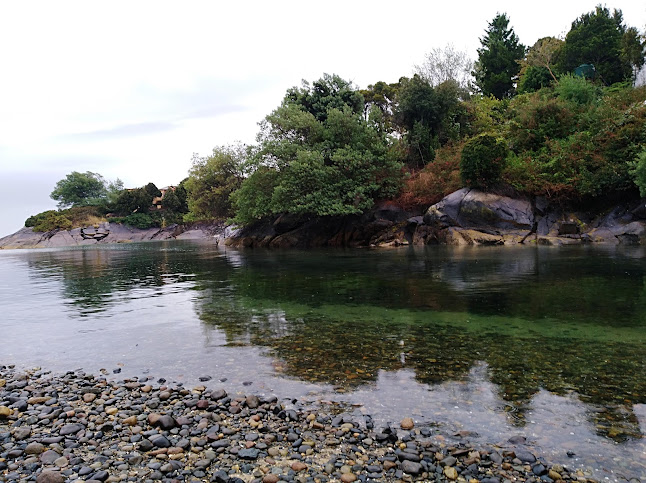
596 38
428 117
319 156
418 112
543 54
80 189
633 46
447 64
152 190
329 92
114 188
483 159
497 67
212 179
133 201
379 101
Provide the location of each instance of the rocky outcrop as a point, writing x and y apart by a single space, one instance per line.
472 217
286 231
116 233
465 217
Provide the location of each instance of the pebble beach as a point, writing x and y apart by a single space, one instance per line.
79 427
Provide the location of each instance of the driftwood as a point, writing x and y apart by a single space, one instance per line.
97 235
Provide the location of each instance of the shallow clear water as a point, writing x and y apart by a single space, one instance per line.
485 343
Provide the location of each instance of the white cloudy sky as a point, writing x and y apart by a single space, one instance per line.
131 89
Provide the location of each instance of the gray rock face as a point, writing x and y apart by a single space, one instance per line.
472 208
118 233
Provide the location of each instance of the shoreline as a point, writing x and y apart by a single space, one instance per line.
83 427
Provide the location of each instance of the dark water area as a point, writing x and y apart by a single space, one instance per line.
478 343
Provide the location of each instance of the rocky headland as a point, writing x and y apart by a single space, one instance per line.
76 427
465 217
109 233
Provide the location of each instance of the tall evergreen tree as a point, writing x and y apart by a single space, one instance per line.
496 70
599 38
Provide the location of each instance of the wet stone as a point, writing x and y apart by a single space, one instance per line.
248 454
411 467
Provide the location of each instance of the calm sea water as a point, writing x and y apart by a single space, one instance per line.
548 343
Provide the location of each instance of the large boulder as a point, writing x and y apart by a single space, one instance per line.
469 208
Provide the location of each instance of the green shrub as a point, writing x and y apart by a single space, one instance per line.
52 220
577 90
537 118
252 200
35 219
140 220
482 161
639 172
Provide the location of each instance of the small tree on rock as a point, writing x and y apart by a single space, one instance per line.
482 162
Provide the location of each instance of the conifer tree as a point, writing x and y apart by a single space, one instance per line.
496 70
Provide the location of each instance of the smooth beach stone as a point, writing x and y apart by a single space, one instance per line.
48 476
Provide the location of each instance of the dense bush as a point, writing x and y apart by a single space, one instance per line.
140 220
51 220
482 161
577 90
537 117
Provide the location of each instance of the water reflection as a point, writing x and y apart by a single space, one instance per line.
507 329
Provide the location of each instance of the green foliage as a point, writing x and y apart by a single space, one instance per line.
429 117
638 172
152 190
253 200
132 201
74 217
114 188
318 155
140 220
633 47
211 181
488 115
497 67
577 90
534 78
482 161
329 92
379 104
537 117
172 203
78 189
568 146
596 38
35 219
51 220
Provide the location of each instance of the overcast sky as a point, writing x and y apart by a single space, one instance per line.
132 89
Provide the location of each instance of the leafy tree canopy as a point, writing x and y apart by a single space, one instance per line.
329 92
78 189
212 179
428 117
152 190
542 55
497 67
601 39
133 201
320 156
